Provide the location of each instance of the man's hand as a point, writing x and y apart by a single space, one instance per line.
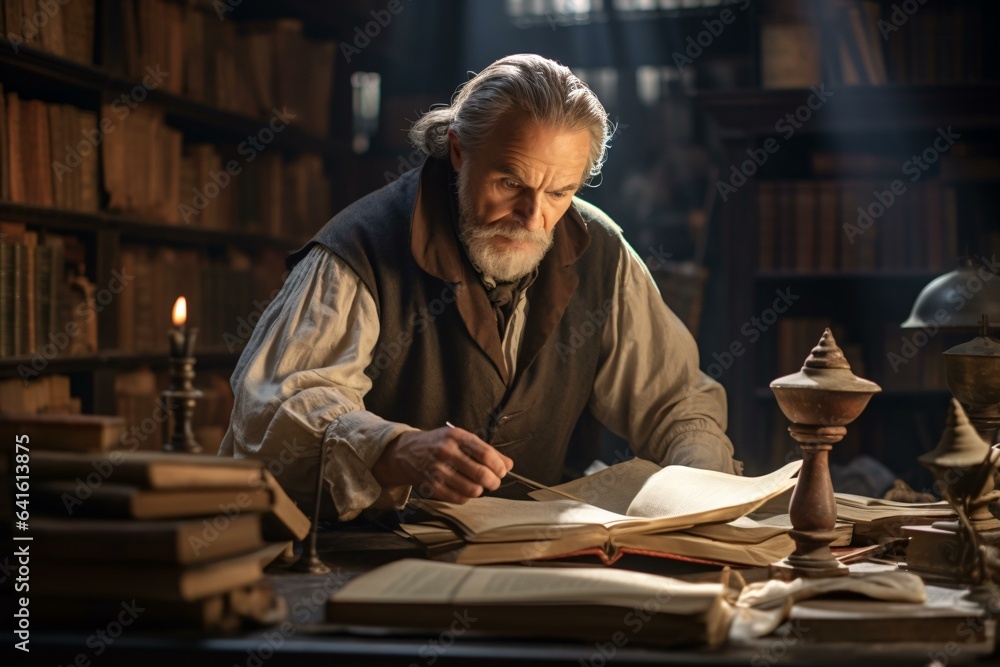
447 463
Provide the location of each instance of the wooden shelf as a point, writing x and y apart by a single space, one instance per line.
134 228
67 75
668 17
892 107
915 275
115 359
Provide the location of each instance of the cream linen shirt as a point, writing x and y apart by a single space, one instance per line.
300 383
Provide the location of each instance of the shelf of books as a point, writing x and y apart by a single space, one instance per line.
862 168
173 155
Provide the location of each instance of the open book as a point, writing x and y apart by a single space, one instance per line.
633 507
591 604
875 518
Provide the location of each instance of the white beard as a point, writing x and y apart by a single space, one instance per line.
500 264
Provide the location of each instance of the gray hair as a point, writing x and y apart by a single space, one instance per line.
541 89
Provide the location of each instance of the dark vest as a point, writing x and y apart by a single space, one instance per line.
438 353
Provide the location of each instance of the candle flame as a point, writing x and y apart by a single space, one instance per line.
180 311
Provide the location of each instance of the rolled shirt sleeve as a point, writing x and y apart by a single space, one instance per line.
649 388
300 384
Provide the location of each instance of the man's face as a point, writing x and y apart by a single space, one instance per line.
513 191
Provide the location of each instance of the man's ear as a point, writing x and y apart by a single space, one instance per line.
455 150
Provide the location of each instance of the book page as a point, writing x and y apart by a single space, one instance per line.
420 581
429 533
706 494
409 581
611 489
760 554
499 585
533 551
745 530
488 519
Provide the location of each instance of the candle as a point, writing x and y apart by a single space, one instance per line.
179 335
179 314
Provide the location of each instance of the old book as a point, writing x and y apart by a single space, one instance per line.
934 551
151 470
126 541
285 521
4 149
28 10
786 225
222 612
864 51
79 30
850 244
41 170
87 197
7 314
767 214
16 190
18 307
590 604
878 507
936 244
945 617
829 225
630 507
869 13
61 498
52 33
789 54
78 433
874 518
11 15
29 297
806 226
156 583
677 545
60 136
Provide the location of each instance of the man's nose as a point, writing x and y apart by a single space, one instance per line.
529 213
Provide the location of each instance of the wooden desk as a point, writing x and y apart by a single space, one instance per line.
349 550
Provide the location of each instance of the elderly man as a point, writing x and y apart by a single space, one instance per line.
475 291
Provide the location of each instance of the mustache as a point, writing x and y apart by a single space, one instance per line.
513 232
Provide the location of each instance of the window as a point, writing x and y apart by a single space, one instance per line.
366 89
603 81
554 12
655 82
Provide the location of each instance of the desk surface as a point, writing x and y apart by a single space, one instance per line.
349 550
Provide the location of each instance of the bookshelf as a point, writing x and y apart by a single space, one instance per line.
780 232
227 254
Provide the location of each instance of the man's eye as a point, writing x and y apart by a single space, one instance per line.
558 195
508 183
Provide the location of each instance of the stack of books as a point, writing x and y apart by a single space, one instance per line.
180 540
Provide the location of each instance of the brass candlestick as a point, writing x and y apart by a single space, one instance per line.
973 373
819 400
309 561
180 399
